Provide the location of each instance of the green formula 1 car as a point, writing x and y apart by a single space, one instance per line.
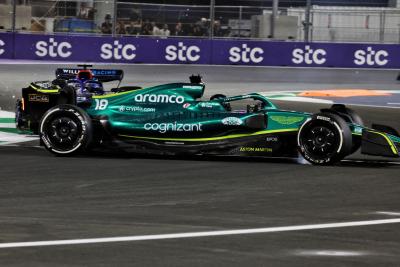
171 119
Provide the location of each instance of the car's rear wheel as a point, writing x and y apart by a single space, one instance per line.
324 139
65 130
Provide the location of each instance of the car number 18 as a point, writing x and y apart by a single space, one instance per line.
101 104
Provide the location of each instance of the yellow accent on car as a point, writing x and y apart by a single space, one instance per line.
390 142
116 94
45 91
212 138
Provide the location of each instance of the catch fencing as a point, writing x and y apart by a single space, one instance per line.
100 17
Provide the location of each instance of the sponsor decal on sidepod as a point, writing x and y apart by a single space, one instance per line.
135 109
232 121
153 98
173 127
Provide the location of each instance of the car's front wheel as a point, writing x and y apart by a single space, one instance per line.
65 130
324 139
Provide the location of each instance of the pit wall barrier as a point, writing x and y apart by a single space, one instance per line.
197 51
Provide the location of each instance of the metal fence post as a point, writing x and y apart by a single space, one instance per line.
14 15
212 18
114 25
307 22
275 5
382 26
240 20
398 25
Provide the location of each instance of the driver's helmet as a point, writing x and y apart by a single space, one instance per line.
84 75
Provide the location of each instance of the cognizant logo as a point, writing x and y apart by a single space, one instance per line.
152 98
173 127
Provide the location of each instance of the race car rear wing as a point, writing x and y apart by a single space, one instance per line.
103 75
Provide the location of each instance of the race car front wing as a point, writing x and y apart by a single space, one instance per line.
378 143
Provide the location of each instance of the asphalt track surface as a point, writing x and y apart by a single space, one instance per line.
46 198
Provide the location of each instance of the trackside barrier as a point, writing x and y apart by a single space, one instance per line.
197 51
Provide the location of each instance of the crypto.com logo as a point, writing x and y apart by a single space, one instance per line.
53 49
182 52
246 54
309 56
118 51
2 44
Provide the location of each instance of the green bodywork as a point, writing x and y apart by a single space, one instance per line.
174 115
174 112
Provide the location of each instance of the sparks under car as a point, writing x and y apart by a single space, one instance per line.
72 115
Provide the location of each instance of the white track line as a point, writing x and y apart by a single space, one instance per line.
197 234
390 213
7 125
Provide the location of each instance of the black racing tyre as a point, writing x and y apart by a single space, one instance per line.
324 139
65 130
217 96
352 117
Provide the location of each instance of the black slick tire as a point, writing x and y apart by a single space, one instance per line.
65 130
324 139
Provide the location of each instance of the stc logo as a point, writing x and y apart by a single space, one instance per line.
371 57
309 56
1 45
182 52
118 51
246 54
53 49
